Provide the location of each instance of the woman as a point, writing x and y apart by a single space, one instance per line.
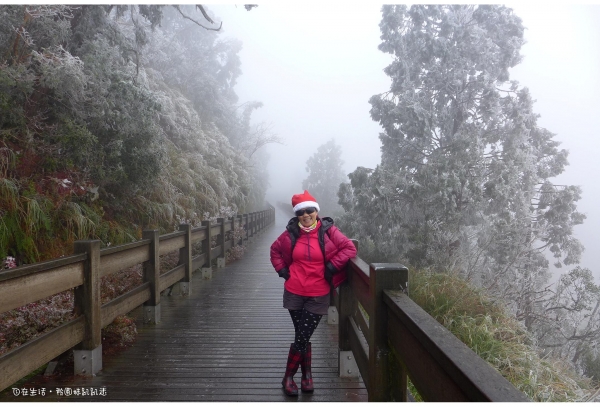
309 255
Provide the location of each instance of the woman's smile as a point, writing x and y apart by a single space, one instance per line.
307 220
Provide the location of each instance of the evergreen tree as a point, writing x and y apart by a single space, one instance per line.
325 175
464 180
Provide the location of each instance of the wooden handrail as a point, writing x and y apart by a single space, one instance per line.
441 367
391 338
82 271
26 288
28 357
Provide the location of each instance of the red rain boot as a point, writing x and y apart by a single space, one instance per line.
306 383
293 362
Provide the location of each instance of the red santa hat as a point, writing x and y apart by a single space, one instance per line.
305 200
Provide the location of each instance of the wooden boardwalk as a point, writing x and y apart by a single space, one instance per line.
228 341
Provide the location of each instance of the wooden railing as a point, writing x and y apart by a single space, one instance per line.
382 333
83 271
385 336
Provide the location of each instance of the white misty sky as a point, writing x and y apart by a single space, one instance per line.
315 66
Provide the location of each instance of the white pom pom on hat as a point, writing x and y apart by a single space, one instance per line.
305 200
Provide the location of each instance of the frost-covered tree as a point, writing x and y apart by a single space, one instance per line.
325 175
567 322
114 119
464 183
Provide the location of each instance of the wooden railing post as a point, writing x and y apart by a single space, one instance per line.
240 225
221 242
246 220
248 227
88 355
152 276
185 257
383 276
333 314
207 267
347 303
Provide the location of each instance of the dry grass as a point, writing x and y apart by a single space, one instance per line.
487 328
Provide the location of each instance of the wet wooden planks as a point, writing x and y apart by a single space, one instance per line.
227 342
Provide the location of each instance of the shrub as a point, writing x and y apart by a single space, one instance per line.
119 334
29 321
236 252
119 283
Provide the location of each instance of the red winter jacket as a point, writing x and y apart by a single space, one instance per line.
337 249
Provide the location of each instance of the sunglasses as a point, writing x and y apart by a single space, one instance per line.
307 210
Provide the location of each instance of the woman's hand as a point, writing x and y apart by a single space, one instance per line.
330 270
285 273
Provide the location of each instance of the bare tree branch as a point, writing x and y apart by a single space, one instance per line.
210 20
196 22
263 136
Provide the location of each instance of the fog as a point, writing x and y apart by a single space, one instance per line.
315 67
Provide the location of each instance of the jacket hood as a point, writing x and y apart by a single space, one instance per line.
326 222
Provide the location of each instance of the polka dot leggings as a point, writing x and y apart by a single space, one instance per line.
305 323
